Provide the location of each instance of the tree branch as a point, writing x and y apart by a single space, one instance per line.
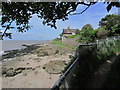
88 5
82 11
6 29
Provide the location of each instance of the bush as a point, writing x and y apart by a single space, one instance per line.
87 34
101 32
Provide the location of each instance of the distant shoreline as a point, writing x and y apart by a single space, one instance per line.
8 45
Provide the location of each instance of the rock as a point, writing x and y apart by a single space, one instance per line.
24 74
46 51
44 67
37 67
4 71
29 68
62 53
56 51
33 68
27 63
18 71
36 72
20 68
42 54
55 67
71 56
45 44
10 73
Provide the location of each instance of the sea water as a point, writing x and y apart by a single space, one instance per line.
6 45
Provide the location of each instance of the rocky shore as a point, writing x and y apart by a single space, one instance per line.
36 66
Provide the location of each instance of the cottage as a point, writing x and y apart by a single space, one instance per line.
68 32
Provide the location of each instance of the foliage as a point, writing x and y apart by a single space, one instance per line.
58 43
116 47
107 49
101 32
87 34
77 31
104 55
68 27
49 12
87 27
111 23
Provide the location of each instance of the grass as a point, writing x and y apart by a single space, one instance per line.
73 36
61 45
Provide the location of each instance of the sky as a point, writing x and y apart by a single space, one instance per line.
42 32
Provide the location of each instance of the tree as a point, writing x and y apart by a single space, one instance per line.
50 12
87 27
87 34
101 32
111 23
68 27
77 31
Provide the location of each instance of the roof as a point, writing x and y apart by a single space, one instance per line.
69 30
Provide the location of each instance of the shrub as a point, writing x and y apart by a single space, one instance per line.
101 32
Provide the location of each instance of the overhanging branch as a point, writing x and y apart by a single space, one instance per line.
81 12
6 29
88 5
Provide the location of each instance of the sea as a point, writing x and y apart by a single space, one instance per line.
6 45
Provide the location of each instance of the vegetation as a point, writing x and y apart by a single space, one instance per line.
111 24
87 34
116 48
101 33
21 12
91 61
59 43
107 49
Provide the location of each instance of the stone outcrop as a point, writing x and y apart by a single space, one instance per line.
41 52
55 67
10 72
